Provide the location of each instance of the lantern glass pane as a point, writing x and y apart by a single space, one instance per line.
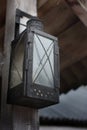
17 64
43 61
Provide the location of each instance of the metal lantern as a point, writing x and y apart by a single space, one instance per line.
34 68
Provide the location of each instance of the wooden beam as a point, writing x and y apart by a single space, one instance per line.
25 119
73 45
49 5
80 71
13 117
74 76
2 12
1 64
69 77
60 21
40 3
64 86
80 9
2 32
2 29
2 23
84 62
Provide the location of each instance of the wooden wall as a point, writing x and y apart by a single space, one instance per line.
14 117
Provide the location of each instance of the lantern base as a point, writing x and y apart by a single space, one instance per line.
17 97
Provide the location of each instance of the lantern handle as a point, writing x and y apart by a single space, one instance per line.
19 15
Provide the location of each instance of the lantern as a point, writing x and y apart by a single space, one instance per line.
34 67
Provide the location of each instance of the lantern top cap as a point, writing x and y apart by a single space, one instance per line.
34 18
35 22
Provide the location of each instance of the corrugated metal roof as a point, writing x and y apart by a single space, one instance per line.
72 106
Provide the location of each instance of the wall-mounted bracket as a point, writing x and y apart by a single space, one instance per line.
20 16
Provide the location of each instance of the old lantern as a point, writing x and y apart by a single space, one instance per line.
34 67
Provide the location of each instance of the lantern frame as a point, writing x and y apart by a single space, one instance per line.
28 93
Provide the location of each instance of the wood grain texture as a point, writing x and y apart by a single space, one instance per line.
47 6
25 118
58 19
40 3
73 45
80 9
13 117
74 76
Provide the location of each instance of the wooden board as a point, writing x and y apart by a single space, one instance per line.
58 19
73 45
80 9
13 117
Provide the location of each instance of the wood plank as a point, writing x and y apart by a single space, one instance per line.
49 5
74 76
84 62
40 3
71 80
64 86
73 45
80 9
56 22
2 32
69 77
2 12
2 23
25 118
12 115
1 64
80 71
